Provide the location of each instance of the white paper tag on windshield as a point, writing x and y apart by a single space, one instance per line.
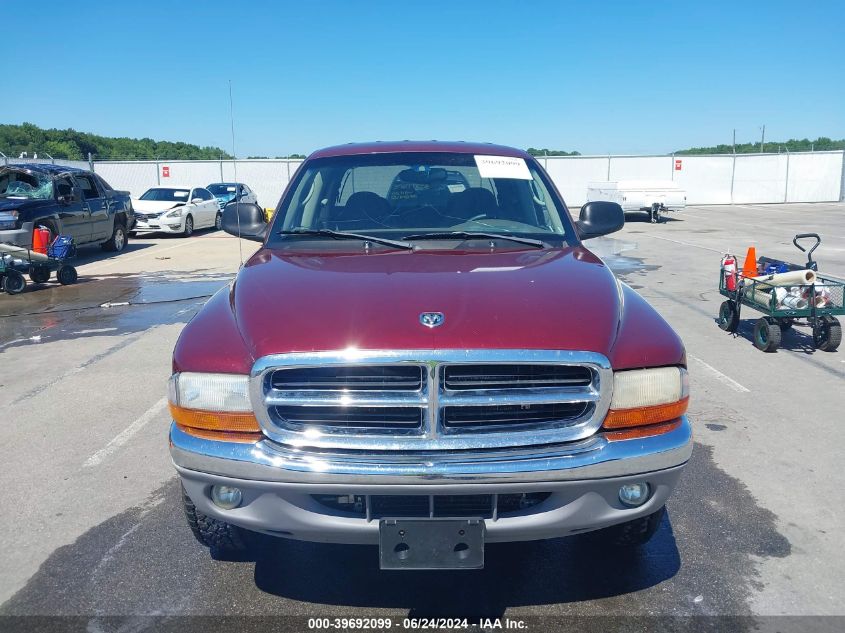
502 167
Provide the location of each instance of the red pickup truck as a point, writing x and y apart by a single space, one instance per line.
424 356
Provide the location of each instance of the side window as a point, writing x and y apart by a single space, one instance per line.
63 187
89 188
205 194
103 184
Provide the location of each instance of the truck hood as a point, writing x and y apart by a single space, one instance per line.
524 299
23 204
154 206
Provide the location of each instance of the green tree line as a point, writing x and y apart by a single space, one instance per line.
73 145
550 152
793 145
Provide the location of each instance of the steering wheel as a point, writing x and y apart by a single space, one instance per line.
475 218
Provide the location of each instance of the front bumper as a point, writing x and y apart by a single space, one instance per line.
582 477
159 225
18 237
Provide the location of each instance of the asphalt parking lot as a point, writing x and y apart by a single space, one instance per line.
92 518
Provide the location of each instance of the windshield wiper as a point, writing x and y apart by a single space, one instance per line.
342 235
469 235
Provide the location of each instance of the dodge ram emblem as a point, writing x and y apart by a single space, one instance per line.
432 319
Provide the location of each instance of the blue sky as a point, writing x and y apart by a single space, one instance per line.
626 77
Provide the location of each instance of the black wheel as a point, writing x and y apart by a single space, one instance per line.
655 213
218 536
785 324
39 274
13 282
189 227
630 534
218 221
67 275
728 316
767 334
118 239
830 334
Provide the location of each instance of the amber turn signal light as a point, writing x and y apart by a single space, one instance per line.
214 420
640 416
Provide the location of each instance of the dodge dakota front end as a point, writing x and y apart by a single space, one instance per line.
424 356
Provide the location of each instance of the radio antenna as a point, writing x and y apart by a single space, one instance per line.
235 168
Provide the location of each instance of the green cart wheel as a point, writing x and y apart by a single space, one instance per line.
830 334
728 316
767 334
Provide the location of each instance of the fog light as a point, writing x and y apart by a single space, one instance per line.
227 497
633 495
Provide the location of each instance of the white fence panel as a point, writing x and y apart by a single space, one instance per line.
760 179
706 179
132 176
814 177
571 175
641 168
268 178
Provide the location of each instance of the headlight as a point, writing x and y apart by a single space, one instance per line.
8 219
647 396
206 404
176 213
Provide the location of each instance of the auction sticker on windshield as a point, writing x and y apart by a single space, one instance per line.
502 167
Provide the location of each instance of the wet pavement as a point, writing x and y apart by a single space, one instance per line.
751 530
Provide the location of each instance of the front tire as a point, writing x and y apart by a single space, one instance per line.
767 334
188 231
728 316
220 537
118 239
13 282
830 335
631 533
218 221
39 274
67 275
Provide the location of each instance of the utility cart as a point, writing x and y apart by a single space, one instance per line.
787 294
16 260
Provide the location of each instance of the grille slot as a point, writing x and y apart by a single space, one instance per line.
368 378
484 377
485 506
485 417
385 418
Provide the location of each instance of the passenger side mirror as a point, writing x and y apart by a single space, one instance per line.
253 225
599 218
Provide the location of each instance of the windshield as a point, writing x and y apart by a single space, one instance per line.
25 185
397 194
166 195
222 189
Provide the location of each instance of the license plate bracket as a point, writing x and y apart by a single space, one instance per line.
418 544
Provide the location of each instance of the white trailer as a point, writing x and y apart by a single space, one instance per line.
634 196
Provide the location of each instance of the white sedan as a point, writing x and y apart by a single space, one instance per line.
176 210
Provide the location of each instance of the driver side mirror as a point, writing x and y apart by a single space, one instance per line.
246 220
599 218
197 200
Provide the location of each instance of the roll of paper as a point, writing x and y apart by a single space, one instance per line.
792 278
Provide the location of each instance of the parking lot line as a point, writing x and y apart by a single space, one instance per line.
682 243
727 380
125 435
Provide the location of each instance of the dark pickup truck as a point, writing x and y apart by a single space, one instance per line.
65 200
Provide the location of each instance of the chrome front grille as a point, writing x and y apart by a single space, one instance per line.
430 400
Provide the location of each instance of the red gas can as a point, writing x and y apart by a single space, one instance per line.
729 271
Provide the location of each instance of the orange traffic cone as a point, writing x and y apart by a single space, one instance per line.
749 268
